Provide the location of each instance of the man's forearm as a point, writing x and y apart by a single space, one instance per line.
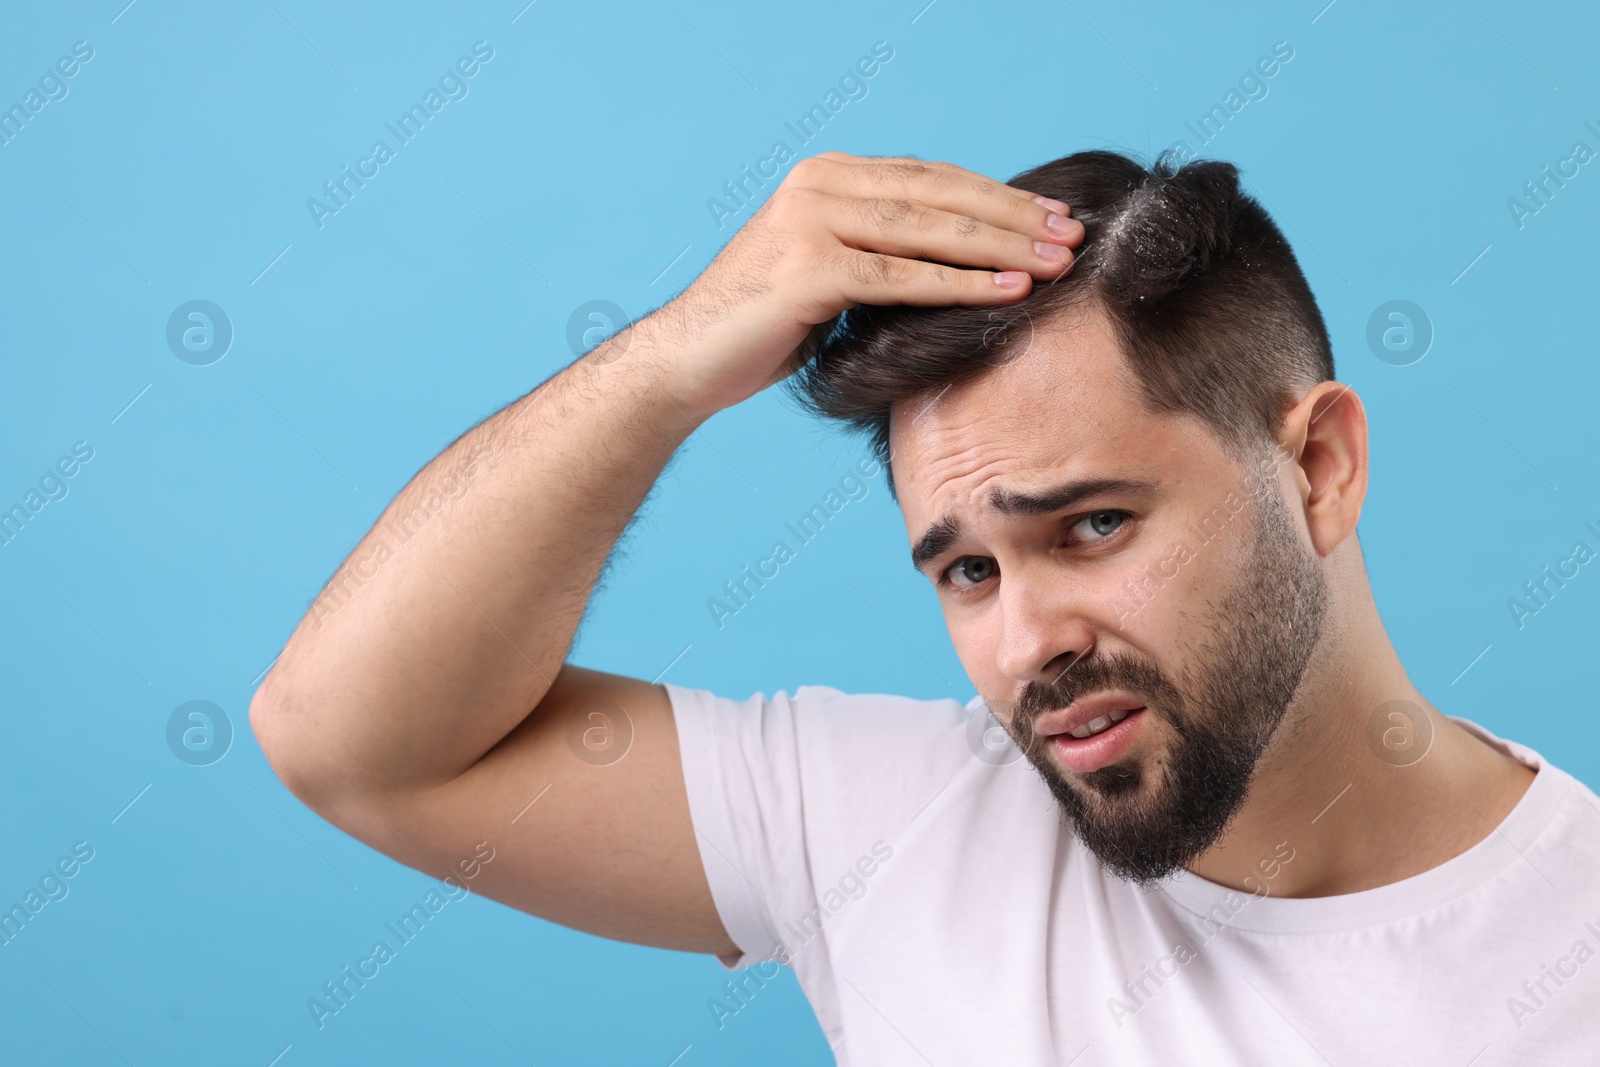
451 618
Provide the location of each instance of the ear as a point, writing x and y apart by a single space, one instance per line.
1327 433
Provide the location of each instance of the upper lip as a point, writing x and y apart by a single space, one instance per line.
1082 711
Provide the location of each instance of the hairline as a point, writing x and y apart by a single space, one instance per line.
1085 300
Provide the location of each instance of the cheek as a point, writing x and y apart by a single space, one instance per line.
1154 591
976 637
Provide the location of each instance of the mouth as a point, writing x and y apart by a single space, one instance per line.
1098 747
1099 724
1093 732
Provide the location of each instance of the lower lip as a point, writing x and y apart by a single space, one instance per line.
1082 755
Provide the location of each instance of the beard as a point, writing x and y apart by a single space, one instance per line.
1146 818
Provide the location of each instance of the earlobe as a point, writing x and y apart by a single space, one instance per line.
1327 430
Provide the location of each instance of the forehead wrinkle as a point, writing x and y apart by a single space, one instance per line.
946 529
985 472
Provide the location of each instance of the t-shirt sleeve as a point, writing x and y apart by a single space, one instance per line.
790 795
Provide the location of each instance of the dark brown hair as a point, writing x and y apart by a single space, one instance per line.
1204 294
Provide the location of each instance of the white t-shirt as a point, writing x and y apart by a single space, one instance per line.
936 910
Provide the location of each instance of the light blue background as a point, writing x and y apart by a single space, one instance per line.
579 168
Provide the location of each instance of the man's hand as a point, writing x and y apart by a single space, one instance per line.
843 230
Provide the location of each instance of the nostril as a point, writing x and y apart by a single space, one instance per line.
1059 666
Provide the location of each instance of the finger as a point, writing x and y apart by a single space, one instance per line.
944 186
951 168
875 278
902 169
916 231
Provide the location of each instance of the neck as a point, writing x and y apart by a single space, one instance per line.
1366 782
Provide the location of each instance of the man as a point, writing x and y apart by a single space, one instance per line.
1226 828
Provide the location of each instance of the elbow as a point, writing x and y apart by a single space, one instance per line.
300 747
295 742
281 733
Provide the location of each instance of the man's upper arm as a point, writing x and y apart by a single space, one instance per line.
584 808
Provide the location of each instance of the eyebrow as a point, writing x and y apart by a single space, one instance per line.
945 531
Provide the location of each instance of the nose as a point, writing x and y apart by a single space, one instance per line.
1041 633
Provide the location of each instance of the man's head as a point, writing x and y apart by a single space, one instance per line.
1123 488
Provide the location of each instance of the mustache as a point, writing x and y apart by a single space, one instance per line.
1088 675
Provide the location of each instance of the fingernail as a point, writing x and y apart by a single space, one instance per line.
1010 279
1053 205
1063 226
1046 250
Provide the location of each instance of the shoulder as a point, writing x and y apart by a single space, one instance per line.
829 766
1558 814
792 792
823 735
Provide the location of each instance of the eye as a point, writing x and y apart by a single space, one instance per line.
1099 524
969 571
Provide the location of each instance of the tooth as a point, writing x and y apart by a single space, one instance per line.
1118 716
1080 733
1096 725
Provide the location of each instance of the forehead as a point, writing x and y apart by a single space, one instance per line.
1068 406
